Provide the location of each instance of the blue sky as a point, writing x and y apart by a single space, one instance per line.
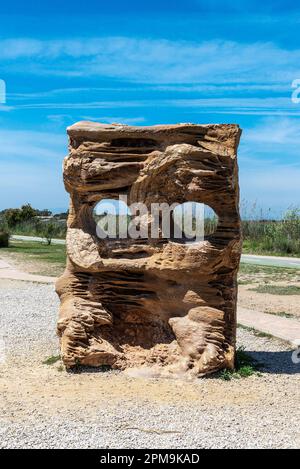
147 63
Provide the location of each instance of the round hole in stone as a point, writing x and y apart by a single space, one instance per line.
193 222
112 218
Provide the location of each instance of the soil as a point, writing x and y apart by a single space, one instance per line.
269 303
27 264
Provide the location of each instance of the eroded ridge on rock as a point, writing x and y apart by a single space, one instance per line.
149 302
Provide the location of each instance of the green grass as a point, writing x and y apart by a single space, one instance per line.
278 237
256 332
51 360
260 247
281 314
270 272
266 269
252 273
245 366
277 289
55 253
37 228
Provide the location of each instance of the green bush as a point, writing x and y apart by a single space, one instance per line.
273 236
4 239
244 366
37 227
13 216
48 232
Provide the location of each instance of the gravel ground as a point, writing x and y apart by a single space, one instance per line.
43 406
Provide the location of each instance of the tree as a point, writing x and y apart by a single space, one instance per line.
27 212
48 231
44 213
61 216
13 216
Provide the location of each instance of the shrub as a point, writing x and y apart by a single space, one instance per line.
13 216
48 231
244 367
37 227
4 239
273 236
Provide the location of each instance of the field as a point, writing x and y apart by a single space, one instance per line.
36 257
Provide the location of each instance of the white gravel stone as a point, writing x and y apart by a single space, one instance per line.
46 407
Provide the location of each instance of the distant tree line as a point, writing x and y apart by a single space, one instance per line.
32 222
14 216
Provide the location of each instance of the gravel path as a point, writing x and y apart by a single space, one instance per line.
43 406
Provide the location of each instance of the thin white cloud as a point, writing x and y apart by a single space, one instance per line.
31 168
155 60
272 185
119 120
269 163
62 119
185 88
42 147
273 131
232 105
5 108
21 182
56 93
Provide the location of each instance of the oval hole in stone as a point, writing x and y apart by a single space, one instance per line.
112 217
196 221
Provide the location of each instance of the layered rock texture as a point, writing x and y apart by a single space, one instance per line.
156 303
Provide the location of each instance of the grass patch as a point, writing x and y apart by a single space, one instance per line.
263 248
266 269
51 360
245 366
263 235
256 332
263 334
55 253
277 289
281 314
35 227
246 282
252 273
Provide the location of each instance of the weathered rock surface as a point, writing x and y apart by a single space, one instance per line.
158 303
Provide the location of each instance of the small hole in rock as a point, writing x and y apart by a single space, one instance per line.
193 222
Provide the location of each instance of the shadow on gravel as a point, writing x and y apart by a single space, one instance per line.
80 369
276 362
268 362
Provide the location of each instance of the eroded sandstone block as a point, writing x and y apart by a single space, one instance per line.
150 302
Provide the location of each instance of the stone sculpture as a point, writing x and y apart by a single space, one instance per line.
151 302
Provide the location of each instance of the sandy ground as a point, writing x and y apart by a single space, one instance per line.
263 302
266 302
29 264
45 406
269 303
